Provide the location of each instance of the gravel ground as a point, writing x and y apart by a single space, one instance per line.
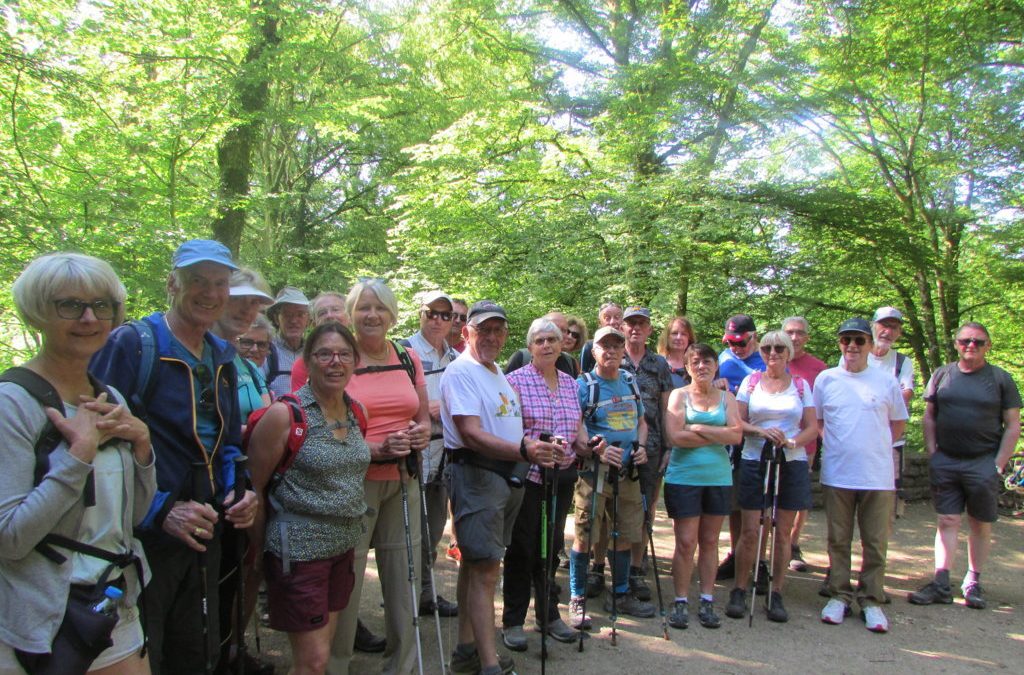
941 638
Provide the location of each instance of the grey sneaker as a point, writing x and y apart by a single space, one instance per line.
470 665
737 607
638 584
680 617
625 603
706 615
514 637
796 559
560 631
577 618
973 595
776 610
931 593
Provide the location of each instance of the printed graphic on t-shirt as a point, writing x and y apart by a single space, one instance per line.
508 408
622 416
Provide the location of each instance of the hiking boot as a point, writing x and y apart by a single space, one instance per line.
834 611
763 577
737 607
775 609
625 603
577 619
823 591
706 614
680 617
514 637
874 619
796 559
595 581
559 630
445 608
638 585
727 570
366 641
470 665
931 593
973 595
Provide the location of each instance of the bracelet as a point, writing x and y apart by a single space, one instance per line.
522 449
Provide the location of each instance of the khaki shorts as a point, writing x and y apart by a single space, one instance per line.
631 508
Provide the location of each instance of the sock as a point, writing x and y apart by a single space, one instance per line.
620 570
942 578
578 573
465 648
972 577
683 600
707 596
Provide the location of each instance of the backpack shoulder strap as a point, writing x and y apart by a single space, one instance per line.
42 391
405 360
359 412
296 434
800 384
147 363
633 386
593 391
900 360
752 381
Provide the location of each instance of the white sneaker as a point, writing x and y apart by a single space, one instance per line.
834 612
874 619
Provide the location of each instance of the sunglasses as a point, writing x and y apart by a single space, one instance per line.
434 314
205 377
859 340
966 342
459 316
249 343
738 343
576 335
73 308
768 349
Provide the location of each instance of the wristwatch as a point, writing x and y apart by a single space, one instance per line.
522 449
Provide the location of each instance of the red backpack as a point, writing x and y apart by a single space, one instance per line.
297 431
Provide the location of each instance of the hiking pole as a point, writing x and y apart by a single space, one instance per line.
767 455
430 568
613 476
649 518
780 457
546 584
200 487
598 486
412 562
241 544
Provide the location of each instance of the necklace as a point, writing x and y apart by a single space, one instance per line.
382 356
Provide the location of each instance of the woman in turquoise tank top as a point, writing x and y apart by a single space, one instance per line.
700 421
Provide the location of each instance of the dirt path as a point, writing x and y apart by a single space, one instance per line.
947 638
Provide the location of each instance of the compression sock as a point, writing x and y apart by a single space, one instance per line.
578 563
620 570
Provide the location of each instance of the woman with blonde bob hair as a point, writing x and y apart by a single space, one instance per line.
98 484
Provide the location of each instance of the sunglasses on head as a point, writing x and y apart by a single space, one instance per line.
778 349
858 340
966 342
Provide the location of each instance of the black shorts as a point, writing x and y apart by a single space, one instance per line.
971 484
794 486
690 501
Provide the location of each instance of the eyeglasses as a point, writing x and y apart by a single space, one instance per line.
615 346
490 332
768 349
434 314
859 340
249 343
575 334
205 377
325 357
966 342
738 343
459 317
73 308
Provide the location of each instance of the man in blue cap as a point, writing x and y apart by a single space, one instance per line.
180 378
860 411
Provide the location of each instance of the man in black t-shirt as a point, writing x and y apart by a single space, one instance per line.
971 426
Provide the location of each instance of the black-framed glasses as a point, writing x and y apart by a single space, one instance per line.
249 343
966 342
205 377
768 349
459 316
74 309
858 340
434 314
325 356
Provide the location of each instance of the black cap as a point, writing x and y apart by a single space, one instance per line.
854 325
483 310
738 326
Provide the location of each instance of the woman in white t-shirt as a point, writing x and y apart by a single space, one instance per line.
776 409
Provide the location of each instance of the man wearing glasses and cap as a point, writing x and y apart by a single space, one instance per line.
290 316
180 379
860 411
971 426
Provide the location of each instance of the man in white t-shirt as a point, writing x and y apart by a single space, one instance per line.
483 435
860 411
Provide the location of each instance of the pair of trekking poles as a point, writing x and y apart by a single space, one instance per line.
772 457
614 475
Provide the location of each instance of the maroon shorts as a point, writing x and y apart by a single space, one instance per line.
301 601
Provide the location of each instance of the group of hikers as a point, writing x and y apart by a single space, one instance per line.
158 472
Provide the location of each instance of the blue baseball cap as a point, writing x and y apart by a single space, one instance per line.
202 250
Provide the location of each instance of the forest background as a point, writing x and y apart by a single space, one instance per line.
704 157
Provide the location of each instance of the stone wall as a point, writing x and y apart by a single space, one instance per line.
915 479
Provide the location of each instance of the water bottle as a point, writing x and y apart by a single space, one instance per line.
108 605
